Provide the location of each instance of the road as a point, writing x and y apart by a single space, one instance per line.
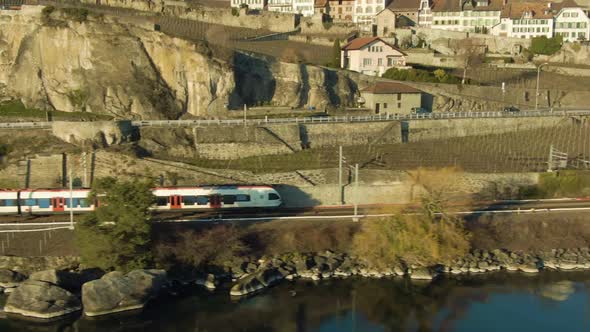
555 206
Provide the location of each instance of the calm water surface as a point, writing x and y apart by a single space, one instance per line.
500 302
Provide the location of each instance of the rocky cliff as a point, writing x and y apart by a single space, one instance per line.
72 61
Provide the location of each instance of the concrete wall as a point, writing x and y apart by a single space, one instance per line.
321 135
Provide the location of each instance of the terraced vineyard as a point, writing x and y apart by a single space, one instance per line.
520 151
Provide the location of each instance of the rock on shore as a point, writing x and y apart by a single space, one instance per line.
116 292
10 279
257 281
64 279
40 299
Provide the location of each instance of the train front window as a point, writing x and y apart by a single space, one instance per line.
189 200
273 197
162 201
44 203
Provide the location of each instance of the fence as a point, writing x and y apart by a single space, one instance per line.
324 119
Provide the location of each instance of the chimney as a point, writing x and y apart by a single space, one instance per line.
549 5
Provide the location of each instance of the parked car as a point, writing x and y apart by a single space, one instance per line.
419 110
511 109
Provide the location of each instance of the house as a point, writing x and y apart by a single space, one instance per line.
466 15
252 4
400 13
321 7
391 97
572 22
304 7
341 10
281 6
371 56
425 13
365 11
525 20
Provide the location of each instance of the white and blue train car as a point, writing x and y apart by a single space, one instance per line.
8 201
54 201
217 197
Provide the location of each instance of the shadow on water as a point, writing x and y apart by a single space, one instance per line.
447 304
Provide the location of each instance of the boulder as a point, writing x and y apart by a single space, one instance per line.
528 268
10 279
64 279
422 273
40 299
257 281
207 280
115 292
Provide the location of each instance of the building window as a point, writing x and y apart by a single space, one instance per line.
399 96
367 62
384 105
380 62
399 105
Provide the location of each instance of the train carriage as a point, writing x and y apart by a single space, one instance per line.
8 201
217 197
55 201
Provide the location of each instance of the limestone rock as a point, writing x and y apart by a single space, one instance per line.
257 281
67 280
422 273
41 299
208 281
10 279
115 292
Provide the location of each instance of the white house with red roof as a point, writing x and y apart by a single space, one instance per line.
371 56
572 22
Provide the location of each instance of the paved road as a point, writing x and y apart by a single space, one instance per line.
554 206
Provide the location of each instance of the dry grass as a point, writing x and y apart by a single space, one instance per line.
529 232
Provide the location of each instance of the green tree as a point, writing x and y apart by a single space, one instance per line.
336 54
117 234
546 46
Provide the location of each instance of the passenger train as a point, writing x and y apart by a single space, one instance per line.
47 201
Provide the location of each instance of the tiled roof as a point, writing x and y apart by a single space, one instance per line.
358 43
320 3
398 5
390 87
516 10
461 5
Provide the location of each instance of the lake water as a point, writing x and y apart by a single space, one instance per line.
500 302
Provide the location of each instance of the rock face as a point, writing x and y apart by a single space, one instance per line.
125 70
10 279
41 299
116 292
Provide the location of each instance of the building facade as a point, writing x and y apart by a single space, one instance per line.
425 13
371 56
282 6
385 22
341 10
391 97
303 7
525 20
365 11
466 15
252 4
572 22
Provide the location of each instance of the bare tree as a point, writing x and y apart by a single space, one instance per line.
470 53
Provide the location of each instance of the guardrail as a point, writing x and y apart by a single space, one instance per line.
323 119
364 118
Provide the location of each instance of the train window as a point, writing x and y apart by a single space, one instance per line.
44 203
189 200
161 201
242 198
75 200
273 197
6 202
202 200
229 199
28 202
84 203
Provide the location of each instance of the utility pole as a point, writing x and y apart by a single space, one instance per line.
340 193
356 192
84 165
71 199
538 79
245 119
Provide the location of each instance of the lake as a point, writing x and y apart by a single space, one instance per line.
502 301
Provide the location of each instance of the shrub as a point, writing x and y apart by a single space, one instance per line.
117 234
422 239
235 11
564 183
76 14
201 248
420 75
546 46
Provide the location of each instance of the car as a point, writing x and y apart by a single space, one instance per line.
511 109
419 110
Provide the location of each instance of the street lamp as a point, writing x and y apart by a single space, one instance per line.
538 78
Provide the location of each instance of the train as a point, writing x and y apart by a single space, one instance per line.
49 201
